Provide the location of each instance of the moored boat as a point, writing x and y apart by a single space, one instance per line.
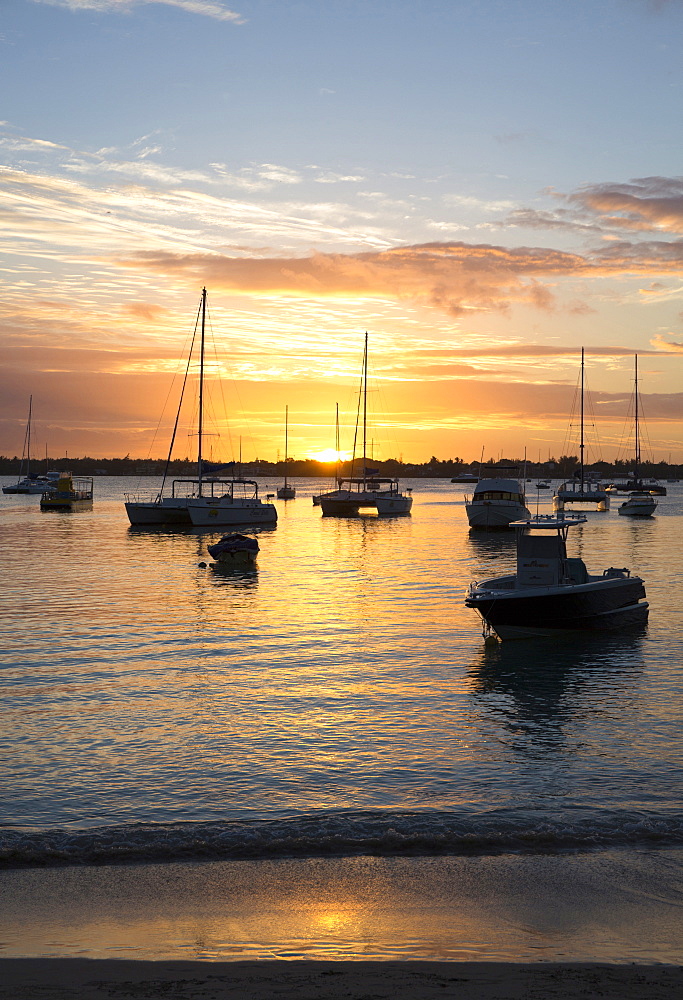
369 490
497 501
584 488
234 551
551 594
286 491
639 504
157 508
238 504
68 493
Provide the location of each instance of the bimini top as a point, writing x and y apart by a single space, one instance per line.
553 522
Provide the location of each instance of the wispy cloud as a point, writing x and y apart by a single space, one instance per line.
207 8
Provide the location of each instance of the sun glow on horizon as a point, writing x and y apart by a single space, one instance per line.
329 455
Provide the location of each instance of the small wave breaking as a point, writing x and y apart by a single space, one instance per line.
341 834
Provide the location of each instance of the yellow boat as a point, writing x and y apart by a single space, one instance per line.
68 494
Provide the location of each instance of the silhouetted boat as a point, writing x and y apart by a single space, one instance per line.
551 594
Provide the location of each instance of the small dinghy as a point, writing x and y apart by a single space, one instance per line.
234 551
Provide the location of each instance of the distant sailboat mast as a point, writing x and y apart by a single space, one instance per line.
365 406
581 444
636 471
201 394
286 441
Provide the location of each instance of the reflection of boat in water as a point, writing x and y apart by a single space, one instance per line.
497 501
369 490
551 594
286 492
234 551
584 488
68 493
638 505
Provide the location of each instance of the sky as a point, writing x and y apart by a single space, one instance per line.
485 186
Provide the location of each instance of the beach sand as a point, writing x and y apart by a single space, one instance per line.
88 979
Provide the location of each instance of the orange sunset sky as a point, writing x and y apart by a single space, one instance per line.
484 187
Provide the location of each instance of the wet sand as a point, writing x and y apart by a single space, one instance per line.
92 979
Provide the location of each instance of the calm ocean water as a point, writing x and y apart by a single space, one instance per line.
337 701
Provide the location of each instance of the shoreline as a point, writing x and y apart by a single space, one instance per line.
97 979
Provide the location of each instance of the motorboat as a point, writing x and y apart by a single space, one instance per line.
551 594
234 551
162 508
368 490
497 501
466 477
238 504
584 487
68 493
542 485
639 504
286 491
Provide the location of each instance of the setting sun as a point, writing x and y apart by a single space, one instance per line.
330 455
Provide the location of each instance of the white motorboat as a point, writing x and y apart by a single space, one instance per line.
542 485
497 501
234 551
369 490
238 504
584 488
156 508
551 594
639 504
286 492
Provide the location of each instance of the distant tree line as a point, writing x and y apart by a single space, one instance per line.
562 468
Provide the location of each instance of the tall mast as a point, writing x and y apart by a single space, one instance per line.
286 439
581 445
365 401
637 468
28 436
200 428
336 443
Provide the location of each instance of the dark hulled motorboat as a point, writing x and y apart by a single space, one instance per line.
551 594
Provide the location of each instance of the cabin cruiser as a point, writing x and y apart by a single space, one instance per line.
639 504
496 502
551 594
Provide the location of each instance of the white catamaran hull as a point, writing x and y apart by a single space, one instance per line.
165 512
224 512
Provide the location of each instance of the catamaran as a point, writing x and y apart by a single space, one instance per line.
368 490
205 499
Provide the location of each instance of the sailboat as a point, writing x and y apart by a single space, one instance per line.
369 489
205 491
641 502
286 492
30 482
583 488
